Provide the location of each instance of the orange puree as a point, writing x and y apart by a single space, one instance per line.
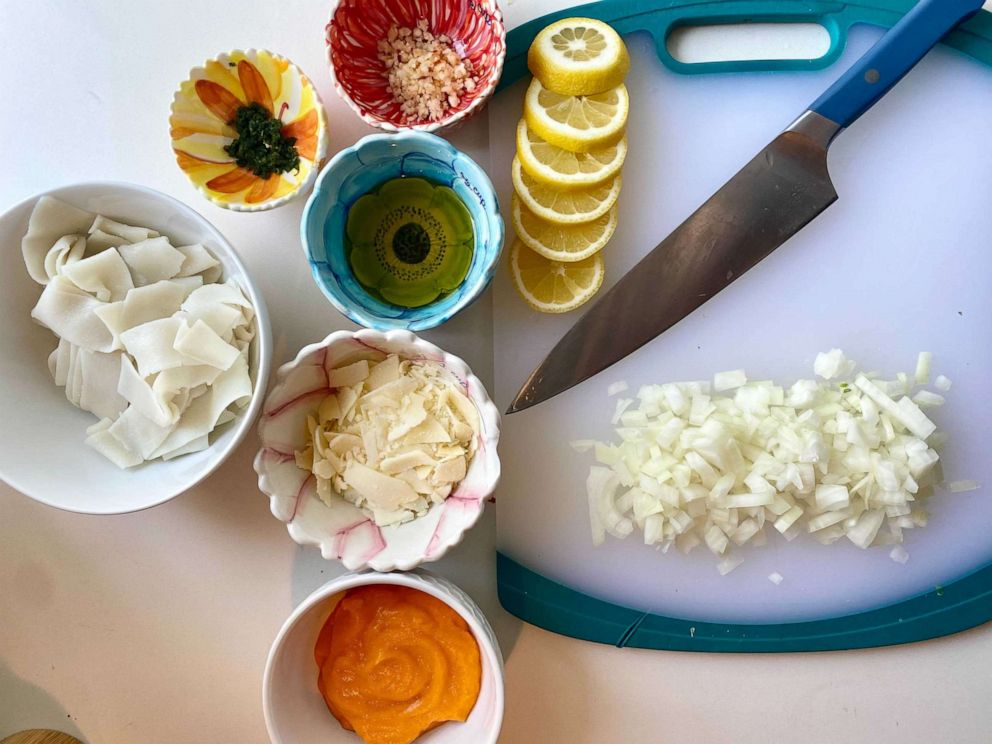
395 662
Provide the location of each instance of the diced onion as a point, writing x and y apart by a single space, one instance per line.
716 464
776 578
942 383
962 485
616 388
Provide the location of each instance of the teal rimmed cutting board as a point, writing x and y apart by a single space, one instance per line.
901 264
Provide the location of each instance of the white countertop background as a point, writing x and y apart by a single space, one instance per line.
153 628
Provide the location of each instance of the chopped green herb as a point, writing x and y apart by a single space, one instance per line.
260 145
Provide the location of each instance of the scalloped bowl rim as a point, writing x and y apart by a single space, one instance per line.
428 582
431 127
322 139
487 412
494 215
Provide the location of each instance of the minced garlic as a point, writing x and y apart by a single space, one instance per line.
426 75
394 438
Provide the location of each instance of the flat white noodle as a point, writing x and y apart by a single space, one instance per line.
136 391
69 313
197 445
212 274
111 315
67 249
188 283
138 433
98 241
228 293
201 343
105 275
220 318
74 376
99 374
62 355
107 445
50 219
151 302
152 260
130 233
151 345
169 382
203 413
197 259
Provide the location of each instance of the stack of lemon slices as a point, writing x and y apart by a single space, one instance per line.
571 145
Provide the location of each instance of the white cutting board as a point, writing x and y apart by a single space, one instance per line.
900 264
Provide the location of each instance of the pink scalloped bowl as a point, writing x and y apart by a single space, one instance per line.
355 28
342 530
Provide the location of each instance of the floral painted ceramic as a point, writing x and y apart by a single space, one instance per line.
344 531
205 106
359 170
355 28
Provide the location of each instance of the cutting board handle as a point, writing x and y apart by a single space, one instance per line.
891 58
661 17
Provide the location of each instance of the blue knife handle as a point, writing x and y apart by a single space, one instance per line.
891 58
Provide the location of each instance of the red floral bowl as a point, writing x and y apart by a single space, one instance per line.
355 28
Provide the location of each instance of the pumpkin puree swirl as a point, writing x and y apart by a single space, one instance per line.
395 662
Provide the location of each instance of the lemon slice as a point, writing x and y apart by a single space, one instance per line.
576 123
564 207
554 286
566 243
565 169
578 56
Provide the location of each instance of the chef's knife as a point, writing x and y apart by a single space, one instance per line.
770 199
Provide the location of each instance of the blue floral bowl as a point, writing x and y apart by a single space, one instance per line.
358 170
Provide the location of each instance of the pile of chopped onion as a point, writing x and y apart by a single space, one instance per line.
717 464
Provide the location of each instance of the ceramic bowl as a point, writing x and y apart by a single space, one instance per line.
295 712
355 28
207 101
342 530
42 453
359 169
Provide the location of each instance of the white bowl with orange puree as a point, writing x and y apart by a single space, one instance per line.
295 709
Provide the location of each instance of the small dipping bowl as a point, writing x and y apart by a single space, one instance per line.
356 27
359 170
295 711
199 126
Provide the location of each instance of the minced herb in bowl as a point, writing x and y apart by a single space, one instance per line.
249 130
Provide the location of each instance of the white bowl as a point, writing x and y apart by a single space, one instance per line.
295 712
342 530
42 453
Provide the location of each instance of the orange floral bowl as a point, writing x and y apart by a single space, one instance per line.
202 128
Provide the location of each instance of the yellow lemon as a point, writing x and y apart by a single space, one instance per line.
564 207
566 169
578 57
577 123
554 286
567 243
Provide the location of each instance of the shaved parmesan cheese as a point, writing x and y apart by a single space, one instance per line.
120 314
399 436
828 459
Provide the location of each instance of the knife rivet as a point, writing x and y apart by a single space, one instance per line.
872 76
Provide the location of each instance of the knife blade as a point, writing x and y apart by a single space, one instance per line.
769 200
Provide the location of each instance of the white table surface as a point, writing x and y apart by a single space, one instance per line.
154 627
